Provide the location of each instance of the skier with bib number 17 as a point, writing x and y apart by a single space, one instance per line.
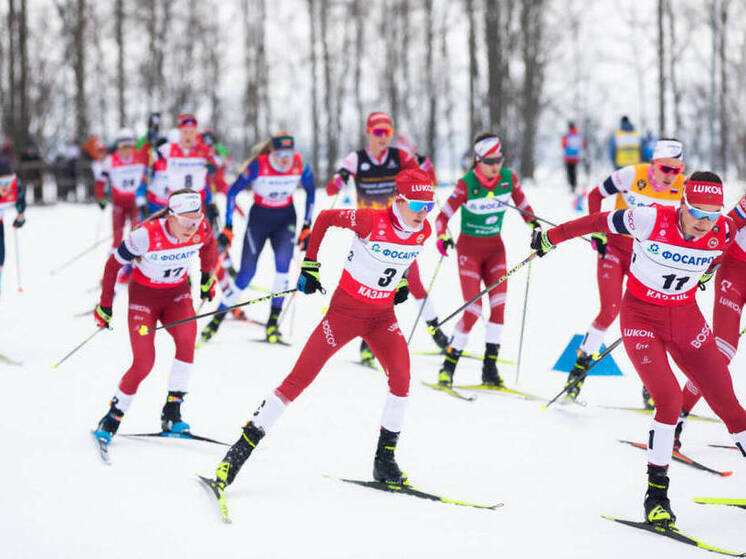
373 281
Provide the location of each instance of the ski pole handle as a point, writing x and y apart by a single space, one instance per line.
77 347
487 289
144 330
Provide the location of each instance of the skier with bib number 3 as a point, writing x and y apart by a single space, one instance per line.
387 241
674 249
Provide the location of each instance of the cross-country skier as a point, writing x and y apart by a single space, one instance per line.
161 250
12 194
481 195
674 250
730 297
273 175
387 242
120 174
660 182
374 170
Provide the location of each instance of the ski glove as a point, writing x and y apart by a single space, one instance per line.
707 276
309 280
225 238
101 203
334 185
443 242
212 212
207 286
102 316
599 242
305 236
19 221
540 242
402 291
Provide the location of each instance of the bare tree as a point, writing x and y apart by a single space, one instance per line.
723 93
661 70
533 53
256 96
432 94
474 123
315 128
119 38
675 54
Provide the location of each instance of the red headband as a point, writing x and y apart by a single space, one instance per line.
703 192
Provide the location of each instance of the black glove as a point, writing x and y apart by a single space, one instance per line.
305 236
225 238
599 242
101 203
207 286
540 242
212 212
309 280
19 221
402 291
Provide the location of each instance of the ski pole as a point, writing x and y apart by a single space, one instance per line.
533 216
144 330
78 256
502 278
427 294
281 318
581 379
77 347
18 261
523 325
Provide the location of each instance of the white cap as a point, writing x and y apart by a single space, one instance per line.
668 148
125 136
185 202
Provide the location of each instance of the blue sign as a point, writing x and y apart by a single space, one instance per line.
607 367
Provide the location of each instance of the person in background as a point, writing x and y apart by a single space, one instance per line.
625 148
30 170
11 195
648 146
573 145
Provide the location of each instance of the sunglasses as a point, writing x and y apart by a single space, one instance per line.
188 222
6 181
701 214
418 205
382 132
668 170
284 153
493 160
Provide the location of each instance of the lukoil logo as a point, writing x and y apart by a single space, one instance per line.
700 188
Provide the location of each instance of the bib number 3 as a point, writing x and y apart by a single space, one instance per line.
388 275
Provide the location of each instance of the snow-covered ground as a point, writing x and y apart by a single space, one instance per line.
556 470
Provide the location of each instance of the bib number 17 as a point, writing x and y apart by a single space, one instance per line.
670 278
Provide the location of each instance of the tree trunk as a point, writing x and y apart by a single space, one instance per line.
119 37
10 119
79 69
331 151
534 54
359 15
661 72
315 128
474 125
256 102
674 59
389 27
722 105
432 94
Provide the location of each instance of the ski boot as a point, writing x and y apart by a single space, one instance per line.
647 399
657 506
238 454
366 355
490 376
212 328
109 424
274 336
577 375
171 414
445 375
439 337
679 429
385 468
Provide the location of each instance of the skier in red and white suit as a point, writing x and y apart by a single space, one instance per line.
387 242
121 171
674 250
161 250
730 297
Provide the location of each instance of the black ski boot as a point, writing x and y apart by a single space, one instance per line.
679 428
647 399
212 328
385 468
576 378
273 333
238 454
109 423
366 355
439 337
490 376
171 413
445 375
657 506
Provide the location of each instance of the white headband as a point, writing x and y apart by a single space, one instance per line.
484 147
185 202
668 148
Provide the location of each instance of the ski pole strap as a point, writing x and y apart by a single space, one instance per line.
604 353
77 347
487 289
533 216
144 330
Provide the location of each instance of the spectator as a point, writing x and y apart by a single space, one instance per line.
30 171
573 145
625 147
648 146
